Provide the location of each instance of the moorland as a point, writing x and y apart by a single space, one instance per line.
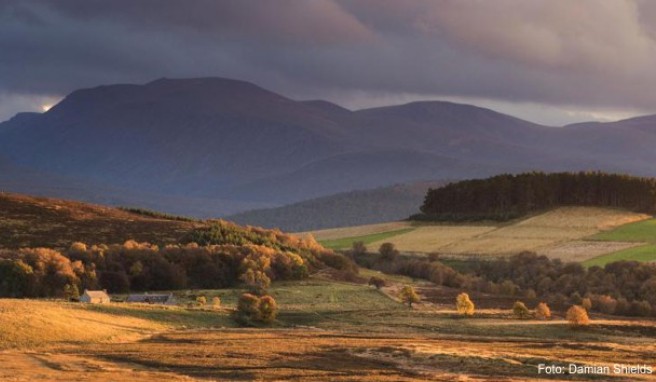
411 300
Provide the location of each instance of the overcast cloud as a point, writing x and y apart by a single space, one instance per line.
551 61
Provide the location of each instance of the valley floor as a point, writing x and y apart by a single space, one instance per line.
326 330
320 355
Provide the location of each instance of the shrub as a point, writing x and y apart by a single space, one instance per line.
409 296
268 309
520 310
201 300
542 311
358 248
388 252
252 309
248 309
216 302
377 282
577 316
464 305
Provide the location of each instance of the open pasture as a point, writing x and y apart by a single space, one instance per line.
539 233
326 330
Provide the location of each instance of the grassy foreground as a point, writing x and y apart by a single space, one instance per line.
326 330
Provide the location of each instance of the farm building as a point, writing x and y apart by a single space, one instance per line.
95 297
164 299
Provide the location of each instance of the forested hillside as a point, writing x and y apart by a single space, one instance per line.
508 196
342 210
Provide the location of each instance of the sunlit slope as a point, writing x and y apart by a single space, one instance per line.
641 235
27 221
28 323
562 233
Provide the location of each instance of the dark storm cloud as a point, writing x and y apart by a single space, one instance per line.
578 54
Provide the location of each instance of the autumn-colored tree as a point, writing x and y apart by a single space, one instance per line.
577 316
542 311
252 309
377 282
216 302
256 280
268 309
520 310
464 304
248 309
409 296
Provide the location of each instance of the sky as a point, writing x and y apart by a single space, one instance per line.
548 61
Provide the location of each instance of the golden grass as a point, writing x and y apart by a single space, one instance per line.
319 355
28 323
338 233
434 237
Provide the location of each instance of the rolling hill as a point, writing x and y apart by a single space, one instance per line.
340 210
27 221
215 146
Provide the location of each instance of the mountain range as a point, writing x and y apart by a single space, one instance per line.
213 146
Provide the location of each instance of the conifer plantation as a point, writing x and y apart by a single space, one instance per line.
507 196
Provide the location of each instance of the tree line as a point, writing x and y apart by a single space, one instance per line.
507 196
621 288
222 255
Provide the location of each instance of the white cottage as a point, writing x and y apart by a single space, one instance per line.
95 297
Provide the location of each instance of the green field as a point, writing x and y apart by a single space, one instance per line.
642 231
347 242
645 253
638 232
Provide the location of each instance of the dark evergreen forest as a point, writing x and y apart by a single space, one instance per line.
507 196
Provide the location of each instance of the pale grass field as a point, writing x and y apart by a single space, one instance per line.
433 237
25 323
29 323
553 229
338 233
581 250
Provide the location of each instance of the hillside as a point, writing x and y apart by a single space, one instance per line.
215 147
341 210
27 221
567 233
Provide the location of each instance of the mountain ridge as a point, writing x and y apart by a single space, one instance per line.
231 140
